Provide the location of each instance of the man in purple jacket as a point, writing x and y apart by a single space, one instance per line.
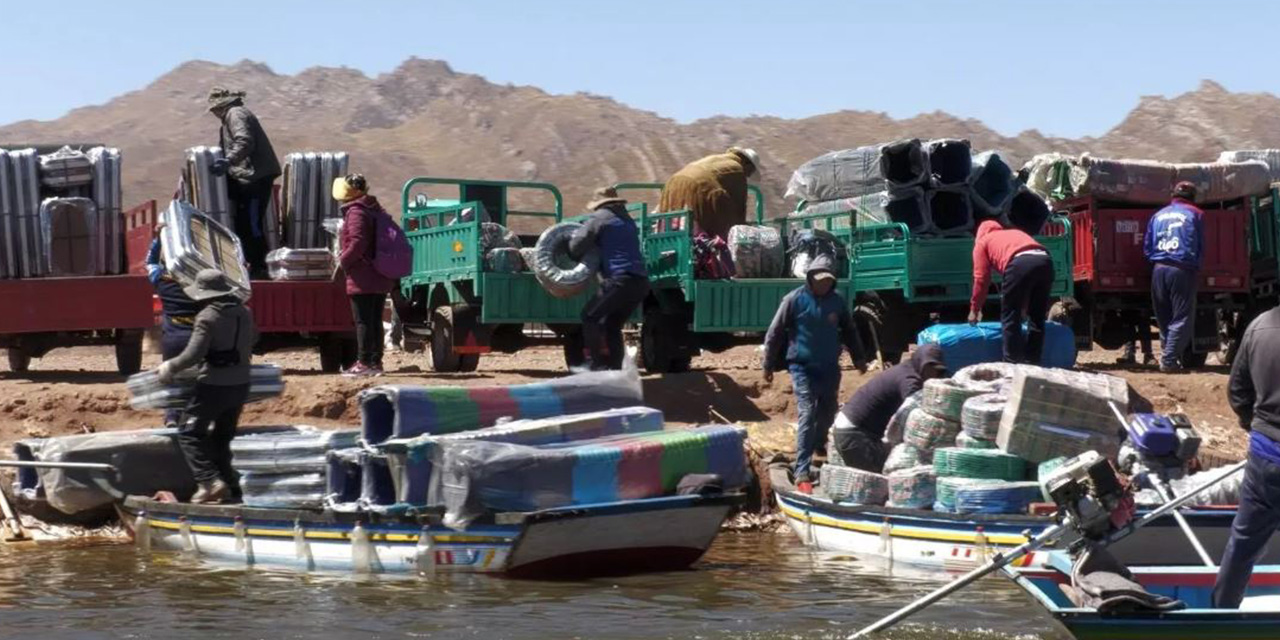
1174 244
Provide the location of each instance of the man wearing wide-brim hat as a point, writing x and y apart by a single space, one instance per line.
221 345
624 280
251 167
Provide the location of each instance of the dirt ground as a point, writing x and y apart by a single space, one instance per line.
77 391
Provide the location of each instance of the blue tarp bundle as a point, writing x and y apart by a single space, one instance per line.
963 345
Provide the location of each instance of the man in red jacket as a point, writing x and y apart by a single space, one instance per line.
1024 289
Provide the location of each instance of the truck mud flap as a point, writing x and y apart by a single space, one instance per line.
469 336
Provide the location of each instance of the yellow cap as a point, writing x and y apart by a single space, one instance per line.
343 191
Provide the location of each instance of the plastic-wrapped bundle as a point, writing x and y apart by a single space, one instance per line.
839 174
203 190
403 411
300 264
995 375
847 484
560 275
412 460
193 241
1270 157
966 441
993 184
284 490
1073 399
964 344
928 432
909 207
66 168
945 398
343 476
147 392
1220 181
898 423
377 484
757 251
1226 492
996 497
990 464
904 163
306 195
1132 181
1054 175
504 260
303 450
1049 466
20 215
945 493
480 476
807 244
1040 441
495 236
950 161
980 416
914 488
69 227
107 196
906 456
951 211
1028 212
861 210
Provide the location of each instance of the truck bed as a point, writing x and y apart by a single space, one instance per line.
90 303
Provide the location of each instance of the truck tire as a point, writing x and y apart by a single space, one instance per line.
129 355
443 358
573 356
19 360
658 354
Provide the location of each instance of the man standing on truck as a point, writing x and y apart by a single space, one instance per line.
221 345
811 325
861 423
713 189
1028 276
1254 393
1174 245
624 277
251 168
177 312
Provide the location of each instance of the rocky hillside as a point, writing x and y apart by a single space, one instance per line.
426 119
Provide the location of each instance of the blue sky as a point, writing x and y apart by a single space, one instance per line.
1067 68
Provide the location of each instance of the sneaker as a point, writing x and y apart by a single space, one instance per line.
805 487
362 370
1148 359
1172 368
212 492
1126 359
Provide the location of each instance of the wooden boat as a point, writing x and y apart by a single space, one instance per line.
657 534
959 542
1257 619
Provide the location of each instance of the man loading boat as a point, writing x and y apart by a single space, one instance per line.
859 427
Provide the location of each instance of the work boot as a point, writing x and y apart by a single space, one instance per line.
1172 368
1148 359
211 492
1126 356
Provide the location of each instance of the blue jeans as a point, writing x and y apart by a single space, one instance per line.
1257 517
816 393
1173 295
172 342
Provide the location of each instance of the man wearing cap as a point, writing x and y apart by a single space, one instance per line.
1028 274
221 345
251 168
624 280
805 338
713 189
1174 244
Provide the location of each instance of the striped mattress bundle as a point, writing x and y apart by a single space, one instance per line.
479 476
147 392
914 488
307 197
300 264
990 464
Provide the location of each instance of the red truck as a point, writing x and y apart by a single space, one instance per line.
1113 277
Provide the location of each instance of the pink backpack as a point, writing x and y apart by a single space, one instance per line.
393 257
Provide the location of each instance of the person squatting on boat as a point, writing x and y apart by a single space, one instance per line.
713 189
177 312
221 345
251 168
1024 291
624 278
1254 393
861 423
1173 244
806 335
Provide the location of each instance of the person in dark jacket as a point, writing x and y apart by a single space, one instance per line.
1027 272
1173 244
251 168
810 327
713 189
861 423
366 288
222 346
1254 393
177 312
624 279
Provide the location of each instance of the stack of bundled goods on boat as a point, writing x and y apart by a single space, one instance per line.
300 264
898 423
913 488
307 197
980 421
847 484
1233 176
287 469
757 251
60 213
555 269
964 344
500 248
996 497
1055 413
945 492
193 241
146 391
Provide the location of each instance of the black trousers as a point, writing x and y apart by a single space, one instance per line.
604 316
208 424
860 450
1024 293
250 213
1257 518
366 308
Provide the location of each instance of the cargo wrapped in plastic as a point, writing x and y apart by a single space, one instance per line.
945 492
846 173
980 416
1124 180
856 486
906 456
300 264
996 497
343 476
69 228
21 242
504 260
202 189
951 210
1055 413
928 432
898 423
107 195
404 411
1222 181
495 236
914 488
476 477
904 163
1271 157
556 271
1053 175
945 398
306 196
284 490
1226 492
964 344
66 168
757 251
950 161
990 464
266 381
807 244
193 241
998 375
411 460
302 450
377 486
993 185
1027 212
966 441
862 210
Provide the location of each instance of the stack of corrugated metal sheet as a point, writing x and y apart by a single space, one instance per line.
107 195
66 168
202 189
193 241
69 229
146 391
20 240
307 202
300 264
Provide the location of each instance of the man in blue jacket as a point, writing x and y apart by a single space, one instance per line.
624 278
805 337
177 311
1174 244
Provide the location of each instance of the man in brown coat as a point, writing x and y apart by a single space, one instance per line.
714 189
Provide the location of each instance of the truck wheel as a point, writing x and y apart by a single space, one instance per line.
443 358
19 360
330 354
872 331
658 350
128 355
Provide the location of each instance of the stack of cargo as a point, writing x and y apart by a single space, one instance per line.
307 197
965 344
287 469
300 264
68 227
1235 175
757 251
146 391
1054 413
204 190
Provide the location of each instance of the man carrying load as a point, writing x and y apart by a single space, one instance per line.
713 189
1028 276
1174 244
624 279
251 168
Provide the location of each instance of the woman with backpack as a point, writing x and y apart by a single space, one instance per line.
373 255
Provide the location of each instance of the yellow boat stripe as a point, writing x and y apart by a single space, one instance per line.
325 535
903 531
488 558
